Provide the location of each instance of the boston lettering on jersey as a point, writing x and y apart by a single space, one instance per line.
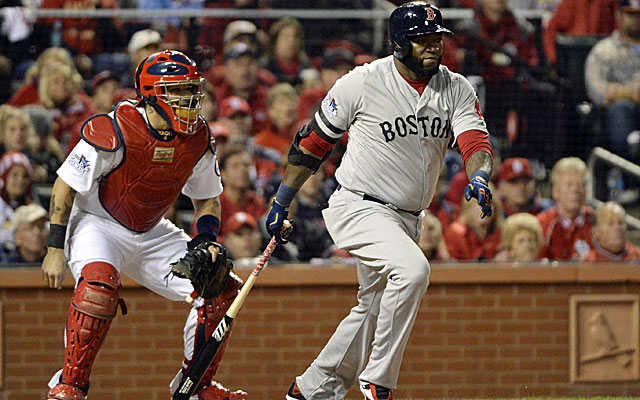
412 125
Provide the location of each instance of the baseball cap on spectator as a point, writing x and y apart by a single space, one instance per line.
101 78
219 131
10 160
142 39
239 220
239 49
513 168
238 28
232 106
27 214
337 57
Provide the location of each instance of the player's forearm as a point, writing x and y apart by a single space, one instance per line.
206 207
62 198
479 161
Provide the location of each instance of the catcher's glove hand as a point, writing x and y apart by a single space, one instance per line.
207 277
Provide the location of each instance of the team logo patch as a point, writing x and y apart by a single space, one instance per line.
329 106
163 154
478 111
431 15
79 163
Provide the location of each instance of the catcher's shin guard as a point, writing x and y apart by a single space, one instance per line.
209 315
93 305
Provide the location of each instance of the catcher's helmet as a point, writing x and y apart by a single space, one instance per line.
161 80
411 19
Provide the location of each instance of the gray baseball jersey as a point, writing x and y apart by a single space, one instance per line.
397 138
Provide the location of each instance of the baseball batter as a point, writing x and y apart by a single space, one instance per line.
402 112
107 211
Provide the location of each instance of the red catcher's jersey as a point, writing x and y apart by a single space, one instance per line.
153 171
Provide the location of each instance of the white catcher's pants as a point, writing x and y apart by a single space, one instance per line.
393 275
144 257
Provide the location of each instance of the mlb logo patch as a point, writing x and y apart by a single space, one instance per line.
79 163
329 106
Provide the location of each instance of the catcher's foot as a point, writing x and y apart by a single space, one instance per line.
375 392
294 392
62 391
216 391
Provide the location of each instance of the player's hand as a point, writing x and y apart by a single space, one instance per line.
275 221
54 268
478 188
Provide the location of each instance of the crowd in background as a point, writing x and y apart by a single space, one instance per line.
264 80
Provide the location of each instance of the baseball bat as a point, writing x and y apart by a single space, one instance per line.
201 361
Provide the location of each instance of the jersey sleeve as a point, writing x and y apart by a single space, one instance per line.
466 108
340 106
204 182
85 165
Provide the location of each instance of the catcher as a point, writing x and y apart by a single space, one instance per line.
106 218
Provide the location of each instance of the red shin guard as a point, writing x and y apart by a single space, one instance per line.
93 305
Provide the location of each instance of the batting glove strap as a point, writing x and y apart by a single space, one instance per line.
275 219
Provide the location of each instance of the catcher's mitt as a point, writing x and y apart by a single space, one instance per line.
208 278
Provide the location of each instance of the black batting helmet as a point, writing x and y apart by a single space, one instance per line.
411 19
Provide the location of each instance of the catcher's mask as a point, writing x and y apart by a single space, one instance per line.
170 82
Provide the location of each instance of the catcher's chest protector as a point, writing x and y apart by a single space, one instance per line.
147 182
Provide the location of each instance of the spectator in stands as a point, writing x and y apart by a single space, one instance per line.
103 90
235 113
312 239
286 58
567 225
142 44
17 134
612 78
15 189
610 236
220 133
578 18
282 104
474 238
335 63
47 152
28 92
517 188
209 110
239 77
521 239
242 240
495 44
30 235
238 195
212 29
16 130
60 92
431 240
89 36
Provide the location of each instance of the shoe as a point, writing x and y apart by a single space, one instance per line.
62 391
294 392
375 392
216 391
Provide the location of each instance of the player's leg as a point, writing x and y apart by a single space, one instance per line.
355 225
94 302
337 367
407 273
163 245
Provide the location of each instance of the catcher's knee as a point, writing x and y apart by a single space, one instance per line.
98 291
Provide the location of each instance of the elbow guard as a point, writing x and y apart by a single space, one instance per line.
313 140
